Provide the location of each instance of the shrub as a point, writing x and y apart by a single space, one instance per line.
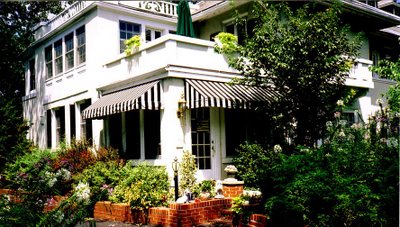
187 172
142 186
75 157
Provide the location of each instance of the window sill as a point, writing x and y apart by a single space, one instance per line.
31 95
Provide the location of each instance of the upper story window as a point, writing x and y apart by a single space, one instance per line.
48 52
126 31
152 34
32 75
61 53
242 31
69 51
81 45
58 58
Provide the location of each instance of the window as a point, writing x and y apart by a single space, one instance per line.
142 134
86 124
81 45
132 119
126 31
241 30
48 128
32 75
201 146
60 125
152 135
49 61
72 121
58 57
152 34
242 126
69 51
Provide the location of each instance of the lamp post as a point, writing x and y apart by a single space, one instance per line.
175 167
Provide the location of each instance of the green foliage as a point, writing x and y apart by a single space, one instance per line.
102 178
254 164
305 55
17 20
132 43
390 70
142 186
187 172
206 186
226 43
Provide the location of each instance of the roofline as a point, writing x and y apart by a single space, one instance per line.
92 5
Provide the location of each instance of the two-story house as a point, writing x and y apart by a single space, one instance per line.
170 94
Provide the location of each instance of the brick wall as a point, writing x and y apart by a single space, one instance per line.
108 211
188 214
258 220
232 190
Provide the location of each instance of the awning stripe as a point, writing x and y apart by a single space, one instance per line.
200 93
144 96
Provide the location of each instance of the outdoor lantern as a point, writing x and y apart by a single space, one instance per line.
175 167
181 106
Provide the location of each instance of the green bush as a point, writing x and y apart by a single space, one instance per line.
187 172
350 180
142 186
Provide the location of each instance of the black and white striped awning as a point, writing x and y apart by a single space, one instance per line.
144 96
201 93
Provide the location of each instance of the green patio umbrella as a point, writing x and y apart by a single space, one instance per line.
185 25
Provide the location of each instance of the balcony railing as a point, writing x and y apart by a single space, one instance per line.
159 7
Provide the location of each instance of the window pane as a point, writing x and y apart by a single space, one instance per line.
115 132
148 35
81 45
69 42
132 127
126 31
157 34
152 133
32 75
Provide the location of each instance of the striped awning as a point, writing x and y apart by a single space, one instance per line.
201 93
144 96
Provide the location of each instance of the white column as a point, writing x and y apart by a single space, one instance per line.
172 133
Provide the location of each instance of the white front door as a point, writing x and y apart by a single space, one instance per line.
204 124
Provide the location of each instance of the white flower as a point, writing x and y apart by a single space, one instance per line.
336 114
379 102
82 191
342 134
51 182
329 124
230 169
277 148
343 123
340 103
64 173
262 72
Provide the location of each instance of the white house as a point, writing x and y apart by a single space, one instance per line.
169 95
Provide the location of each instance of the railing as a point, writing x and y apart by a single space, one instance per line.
67 14
159 7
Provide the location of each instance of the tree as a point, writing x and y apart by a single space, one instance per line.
304 54
17 20
390 70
